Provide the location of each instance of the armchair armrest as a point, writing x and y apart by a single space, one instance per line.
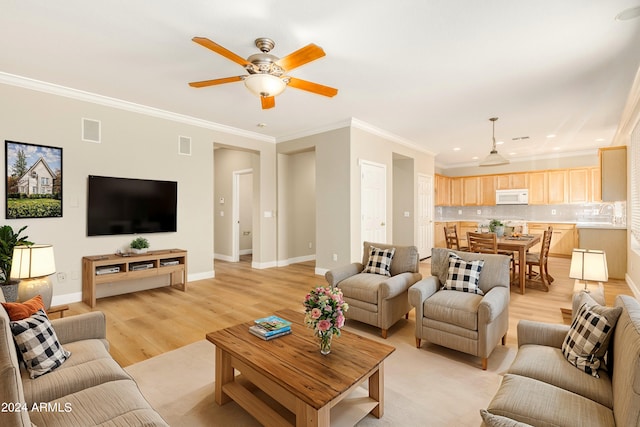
395 285
422 290
81 327
338 274
495 302
539 333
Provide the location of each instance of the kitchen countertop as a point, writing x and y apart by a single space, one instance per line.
579 224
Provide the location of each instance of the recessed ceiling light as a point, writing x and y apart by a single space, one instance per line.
456 149
475 158
600 140
551 135
555 148
512 154
499 142
628 14
262 125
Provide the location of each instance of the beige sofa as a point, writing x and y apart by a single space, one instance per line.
375 299
542 389
88 389
463 321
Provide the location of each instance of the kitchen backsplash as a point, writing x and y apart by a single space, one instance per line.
609 213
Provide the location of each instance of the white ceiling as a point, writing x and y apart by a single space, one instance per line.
429 72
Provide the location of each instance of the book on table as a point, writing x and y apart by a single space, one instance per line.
271 326
259 332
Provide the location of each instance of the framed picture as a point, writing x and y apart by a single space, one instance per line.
34 180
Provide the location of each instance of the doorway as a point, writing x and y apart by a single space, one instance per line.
242 214
373 202
425 215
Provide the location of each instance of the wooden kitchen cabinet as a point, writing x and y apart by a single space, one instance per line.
511 181
613 169
456 191
487 190
579 185
596 184
438 235
537 188
442 190
563 239
470 191
557 183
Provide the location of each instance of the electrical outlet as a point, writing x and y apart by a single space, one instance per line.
62 276
479 211
553 211
310 245
335 257
459 211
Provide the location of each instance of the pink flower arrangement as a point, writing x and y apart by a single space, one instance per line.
325 308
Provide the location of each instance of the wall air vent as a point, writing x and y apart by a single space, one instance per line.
184 145
91 130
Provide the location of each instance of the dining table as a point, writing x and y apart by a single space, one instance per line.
520 244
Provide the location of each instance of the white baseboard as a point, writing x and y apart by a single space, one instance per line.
262 265
223 257
201 276
634 288
66 298
321 271
246 251
286 262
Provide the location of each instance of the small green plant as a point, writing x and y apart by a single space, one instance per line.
495 223
139 243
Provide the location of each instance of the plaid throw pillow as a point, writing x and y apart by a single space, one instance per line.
379 261
588 336
463 275
41 352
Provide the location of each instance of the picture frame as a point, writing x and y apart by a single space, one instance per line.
33 181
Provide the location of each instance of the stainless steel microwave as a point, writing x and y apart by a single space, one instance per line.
512 197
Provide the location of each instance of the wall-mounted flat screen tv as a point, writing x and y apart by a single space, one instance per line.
130 206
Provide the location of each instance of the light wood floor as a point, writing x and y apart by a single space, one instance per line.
144 324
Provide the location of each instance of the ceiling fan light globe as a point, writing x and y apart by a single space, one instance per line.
264 85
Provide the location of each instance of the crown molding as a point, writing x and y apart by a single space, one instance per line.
556 155
80 95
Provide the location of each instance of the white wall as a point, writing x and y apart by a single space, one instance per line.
133 145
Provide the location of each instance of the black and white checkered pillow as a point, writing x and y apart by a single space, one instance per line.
463 275
588 333
38 344
379 261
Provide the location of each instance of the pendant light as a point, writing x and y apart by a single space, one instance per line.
494 159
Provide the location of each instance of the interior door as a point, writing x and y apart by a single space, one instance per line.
425 215
373 206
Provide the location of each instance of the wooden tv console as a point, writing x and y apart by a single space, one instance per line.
99 269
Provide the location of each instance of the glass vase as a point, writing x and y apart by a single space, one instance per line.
325 343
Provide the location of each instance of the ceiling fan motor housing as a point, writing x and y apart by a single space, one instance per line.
264 63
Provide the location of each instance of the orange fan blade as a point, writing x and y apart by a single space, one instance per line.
312 87
309 53
203 41
214 82
268 102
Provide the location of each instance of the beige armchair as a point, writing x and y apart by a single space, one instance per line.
464 321
376 299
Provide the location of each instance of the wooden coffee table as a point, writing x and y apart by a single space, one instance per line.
292 372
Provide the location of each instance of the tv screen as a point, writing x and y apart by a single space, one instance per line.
130 206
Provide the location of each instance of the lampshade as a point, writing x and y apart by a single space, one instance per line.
32 261
494 159
264 84
589 265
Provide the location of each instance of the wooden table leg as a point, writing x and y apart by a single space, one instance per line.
522 266
376 390
306 416
224 375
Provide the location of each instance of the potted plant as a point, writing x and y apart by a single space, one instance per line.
8 240
496 226
139 245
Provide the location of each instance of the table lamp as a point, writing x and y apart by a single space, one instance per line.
588 264
33 265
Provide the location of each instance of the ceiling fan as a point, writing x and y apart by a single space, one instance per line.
267 73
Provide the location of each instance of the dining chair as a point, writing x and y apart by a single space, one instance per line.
451 238
539 260
487 243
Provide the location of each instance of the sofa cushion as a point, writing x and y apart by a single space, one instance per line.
89 365
547 364
491 420
379 261
38 344
588 337
10 382
462 275
116 403
362 287
22 310
453 307
544 405
405 258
